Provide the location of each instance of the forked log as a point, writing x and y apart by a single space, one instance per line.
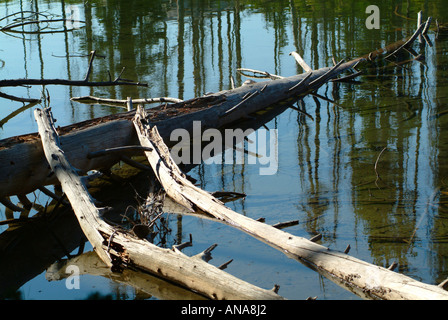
117 248
374 281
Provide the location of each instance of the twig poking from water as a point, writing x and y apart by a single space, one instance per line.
281 225
376 164
225 264
301 62
89 69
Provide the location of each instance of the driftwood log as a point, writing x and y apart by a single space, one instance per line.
116 247
374 281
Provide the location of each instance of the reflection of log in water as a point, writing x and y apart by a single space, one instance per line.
27 250
89 263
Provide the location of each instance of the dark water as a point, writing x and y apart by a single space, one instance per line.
368 170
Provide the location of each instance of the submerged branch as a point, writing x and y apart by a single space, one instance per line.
376 164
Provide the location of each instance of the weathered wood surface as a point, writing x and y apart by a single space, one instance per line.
116 247
82 203
376 282
23 167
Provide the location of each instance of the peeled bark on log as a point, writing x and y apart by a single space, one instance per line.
376 282
117 248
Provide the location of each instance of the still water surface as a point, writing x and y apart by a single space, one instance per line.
367 171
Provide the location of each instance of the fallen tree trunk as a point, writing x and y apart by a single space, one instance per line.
116 247
376 282
23 167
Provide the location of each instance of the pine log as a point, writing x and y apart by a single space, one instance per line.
117 248
374 281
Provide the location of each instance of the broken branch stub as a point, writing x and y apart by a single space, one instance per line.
301 62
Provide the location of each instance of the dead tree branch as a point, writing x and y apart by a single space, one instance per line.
65 82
